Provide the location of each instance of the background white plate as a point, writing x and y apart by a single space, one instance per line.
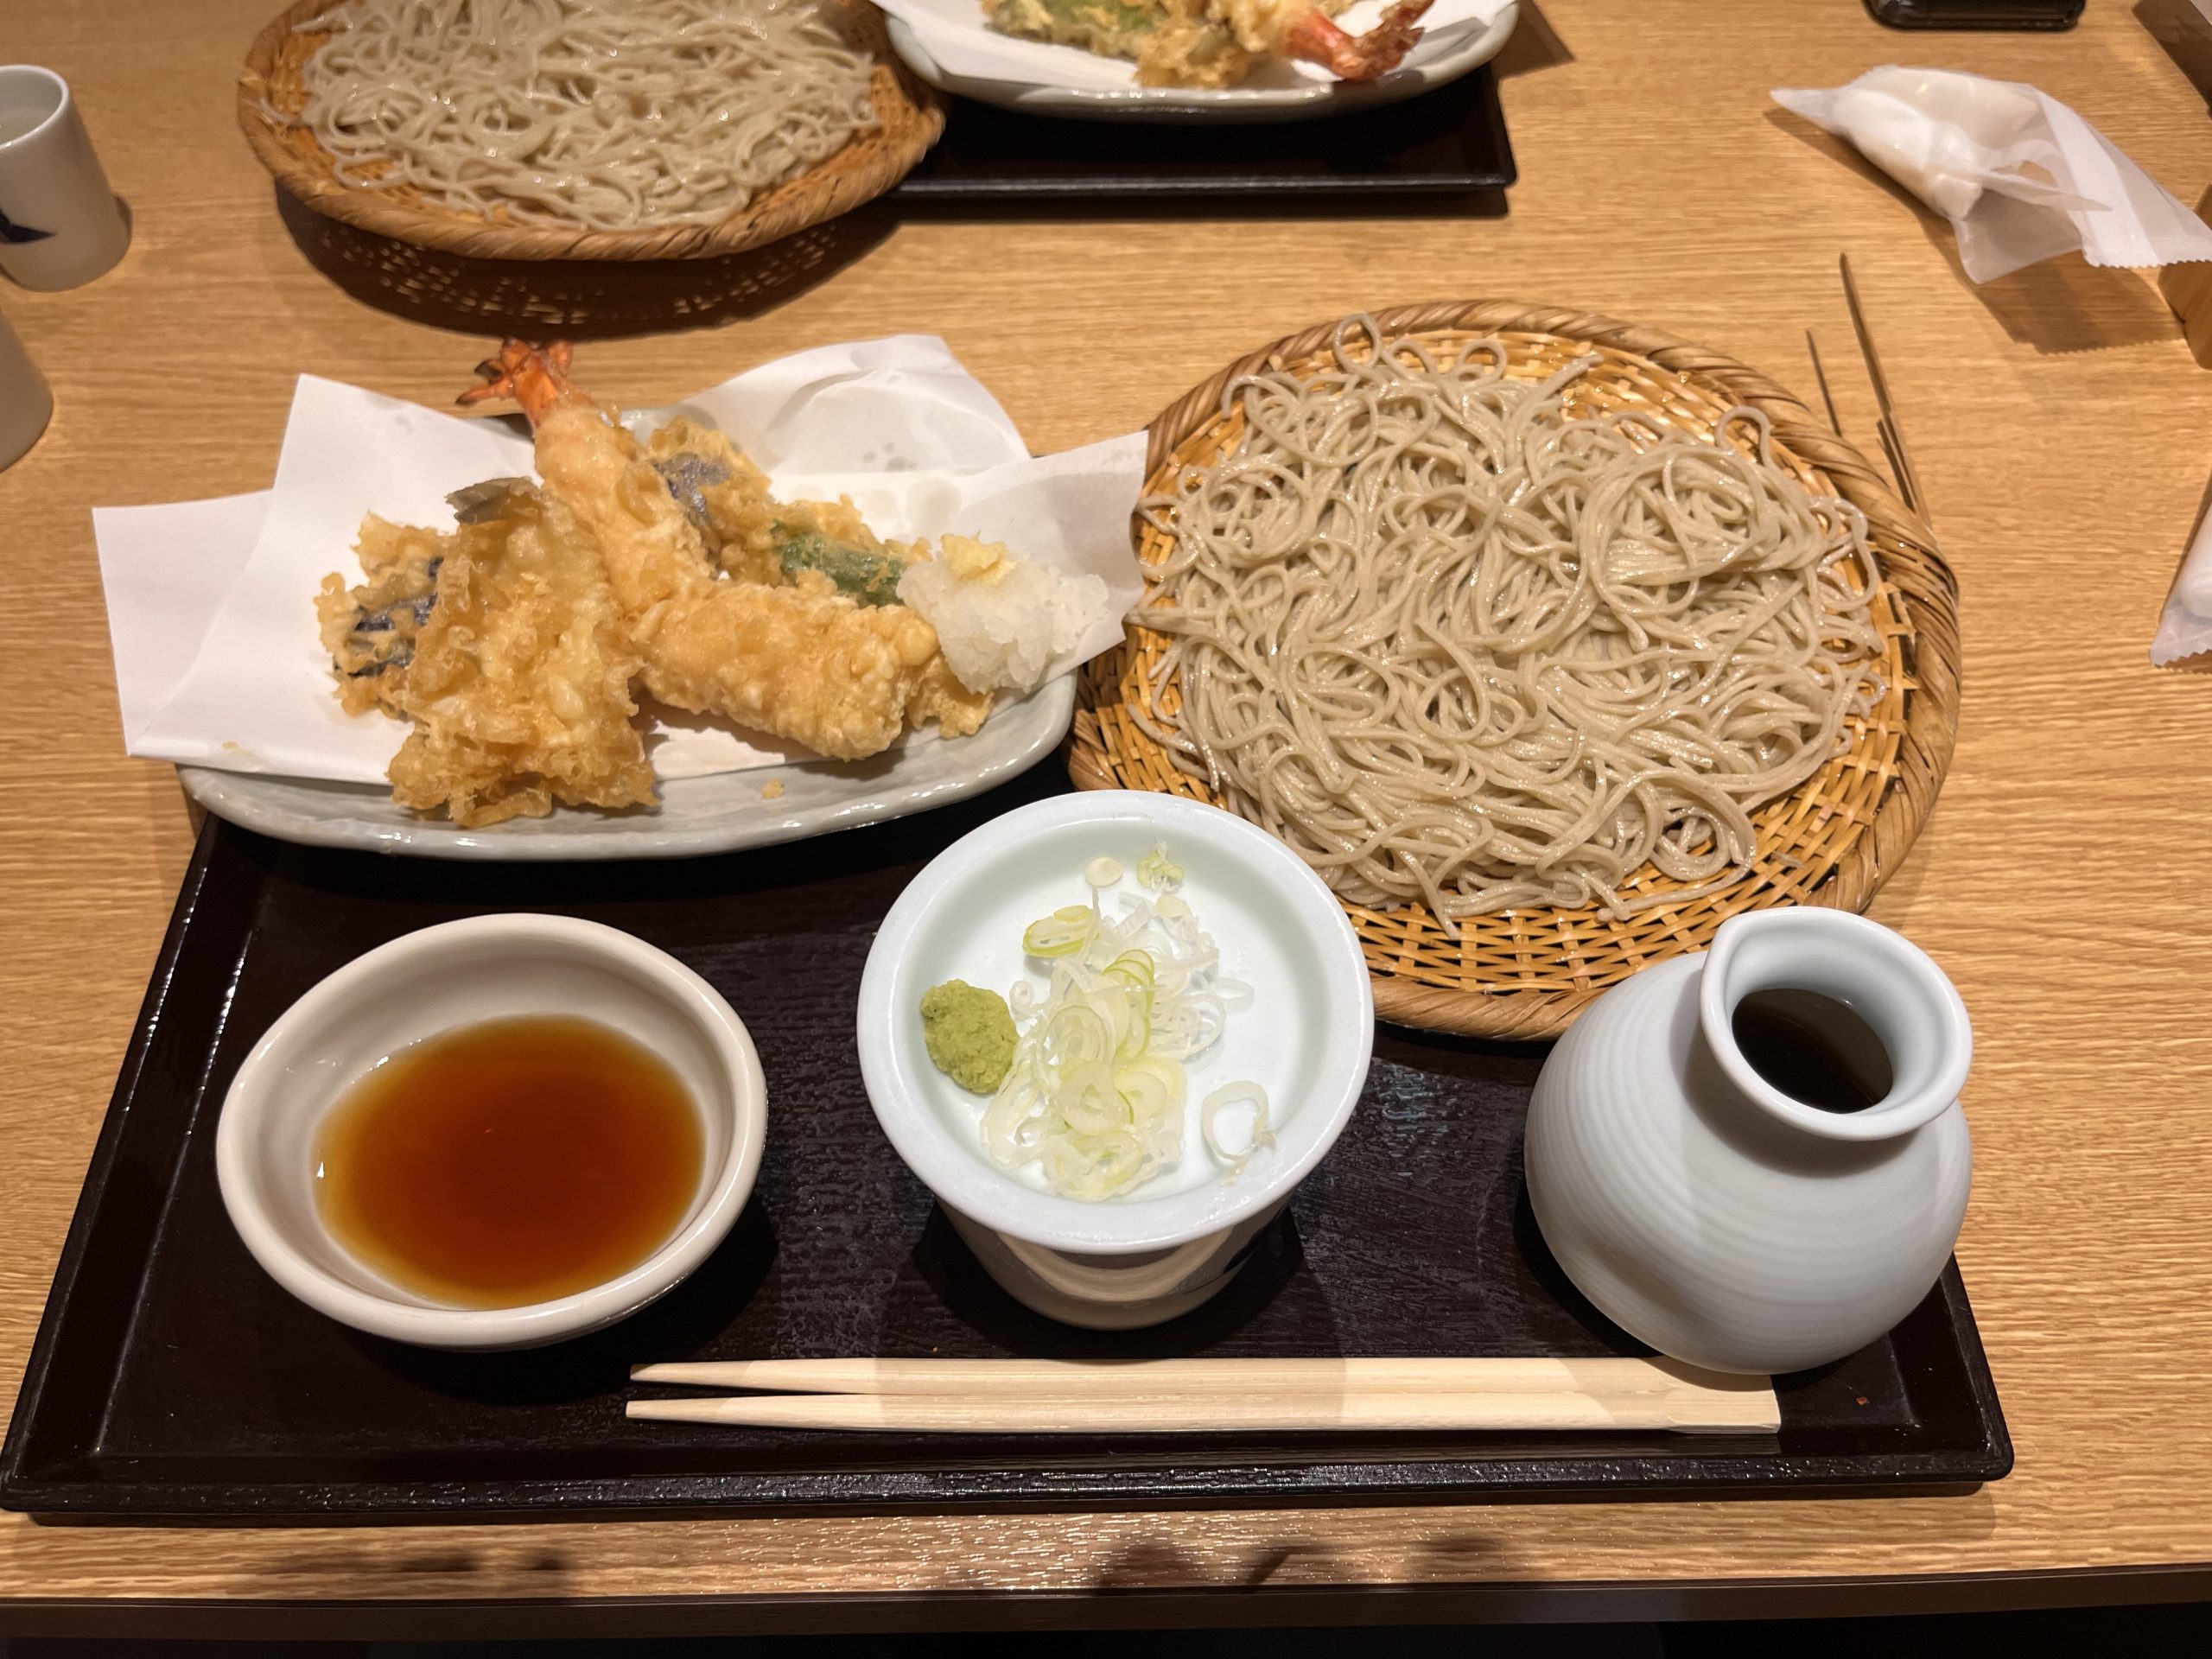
1303 100
696 814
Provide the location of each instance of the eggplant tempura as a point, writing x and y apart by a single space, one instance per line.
501 642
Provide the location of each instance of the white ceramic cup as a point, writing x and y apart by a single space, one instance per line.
60 225
26 405
1306 1039
441 978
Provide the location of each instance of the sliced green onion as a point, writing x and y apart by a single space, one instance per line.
1097 1096
1063 933
1134 970
1229 1094
1158 871
1137 1038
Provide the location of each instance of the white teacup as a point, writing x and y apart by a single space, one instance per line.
26 405
60 225
1177 1240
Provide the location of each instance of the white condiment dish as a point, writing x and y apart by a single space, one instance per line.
1306 1039
438 980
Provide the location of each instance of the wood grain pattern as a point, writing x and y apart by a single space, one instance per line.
2056 419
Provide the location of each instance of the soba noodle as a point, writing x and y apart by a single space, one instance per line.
1458 648
606 116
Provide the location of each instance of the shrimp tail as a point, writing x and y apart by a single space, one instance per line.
1356 57
535 377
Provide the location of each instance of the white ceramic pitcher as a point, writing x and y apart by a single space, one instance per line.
1722 1221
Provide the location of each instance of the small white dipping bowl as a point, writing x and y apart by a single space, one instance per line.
438 980
1306 1039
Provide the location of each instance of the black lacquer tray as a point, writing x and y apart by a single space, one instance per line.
172 1377
1446 143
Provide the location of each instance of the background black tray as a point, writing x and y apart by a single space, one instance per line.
172 1377
1448 142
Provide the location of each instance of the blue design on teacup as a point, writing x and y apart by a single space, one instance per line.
11 231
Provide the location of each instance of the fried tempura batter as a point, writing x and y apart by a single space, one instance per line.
819 546
1213 43
513 642
503 644
802 659
755 537
370 630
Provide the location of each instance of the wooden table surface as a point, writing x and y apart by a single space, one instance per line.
2057 420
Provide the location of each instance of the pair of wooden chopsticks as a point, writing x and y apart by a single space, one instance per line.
1174 1396
1885 422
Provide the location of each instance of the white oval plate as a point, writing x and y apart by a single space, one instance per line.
715 814
1294 97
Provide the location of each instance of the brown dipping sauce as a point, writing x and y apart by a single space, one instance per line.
511 1162
1813 1048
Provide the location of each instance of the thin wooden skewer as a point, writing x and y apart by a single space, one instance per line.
1885 424
1835 422
1060 1396
1900 469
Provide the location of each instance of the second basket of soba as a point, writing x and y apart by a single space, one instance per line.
626 130
1548 642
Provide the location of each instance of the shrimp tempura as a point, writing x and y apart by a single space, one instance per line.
817 668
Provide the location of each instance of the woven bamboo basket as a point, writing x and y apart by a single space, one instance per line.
1833 840
910 117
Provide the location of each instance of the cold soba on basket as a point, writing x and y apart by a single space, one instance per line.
384 114
1651 756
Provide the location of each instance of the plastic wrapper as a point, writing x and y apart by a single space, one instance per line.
2021 177
2185 625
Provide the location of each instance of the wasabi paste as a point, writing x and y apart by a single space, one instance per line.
969 1034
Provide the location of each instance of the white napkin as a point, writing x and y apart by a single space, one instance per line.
2020 177
955 34
211 606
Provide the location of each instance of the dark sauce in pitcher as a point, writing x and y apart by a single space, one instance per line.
1813 1048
